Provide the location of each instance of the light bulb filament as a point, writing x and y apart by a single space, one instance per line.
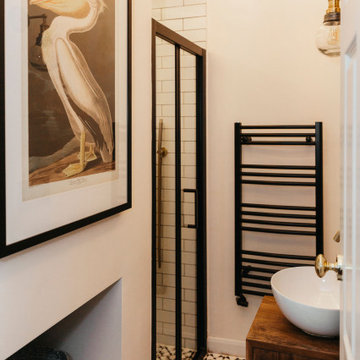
334 36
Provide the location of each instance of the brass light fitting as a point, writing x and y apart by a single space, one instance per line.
334 6
333 11
328 36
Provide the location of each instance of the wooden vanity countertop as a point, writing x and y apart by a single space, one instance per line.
272 332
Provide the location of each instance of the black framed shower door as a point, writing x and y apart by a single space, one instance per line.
178 256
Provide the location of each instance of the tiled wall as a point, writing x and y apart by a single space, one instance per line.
165 87
187 17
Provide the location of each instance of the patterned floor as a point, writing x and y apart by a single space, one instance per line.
221 357
165 352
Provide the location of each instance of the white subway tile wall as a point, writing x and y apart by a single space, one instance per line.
188 18
165 93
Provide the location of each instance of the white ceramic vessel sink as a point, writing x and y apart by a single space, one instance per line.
310 303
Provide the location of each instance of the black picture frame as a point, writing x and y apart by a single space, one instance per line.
7 249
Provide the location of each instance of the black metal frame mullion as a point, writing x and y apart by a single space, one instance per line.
240 298
153 218
201 249
178 204
319 189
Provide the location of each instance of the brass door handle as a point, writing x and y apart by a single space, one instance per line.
322 266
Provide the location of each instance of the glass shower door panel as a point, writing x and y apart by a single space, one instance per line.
165 198
189 203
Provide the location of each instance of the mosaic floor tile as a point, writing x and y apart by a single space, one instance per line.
165 352
221 357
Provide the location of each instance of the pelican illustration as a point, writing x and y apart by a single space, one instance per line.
73 80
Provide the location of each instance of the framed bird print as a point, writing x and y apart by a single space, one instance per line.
65 117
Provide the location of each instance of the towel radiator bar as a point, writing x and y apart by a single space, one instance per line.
253 269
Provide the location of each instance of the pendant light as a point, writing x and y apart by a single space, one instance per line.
328 36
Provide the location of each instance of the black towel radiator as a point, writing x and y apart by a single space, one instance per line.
253 269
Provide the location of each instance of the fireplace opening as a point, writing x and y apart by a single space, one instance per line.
91 332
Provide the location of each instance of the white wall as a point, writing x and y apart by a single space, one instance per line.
42 285
263 67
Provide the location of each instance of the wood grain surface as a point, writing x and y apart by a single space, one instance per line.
273 337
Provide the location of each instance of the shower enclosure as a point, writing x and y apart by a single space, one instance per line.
179 197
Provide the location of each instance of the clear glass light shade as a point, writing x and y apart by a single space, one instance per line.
328 39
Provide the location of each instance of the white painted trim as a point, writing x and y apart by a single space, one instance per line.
226 346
